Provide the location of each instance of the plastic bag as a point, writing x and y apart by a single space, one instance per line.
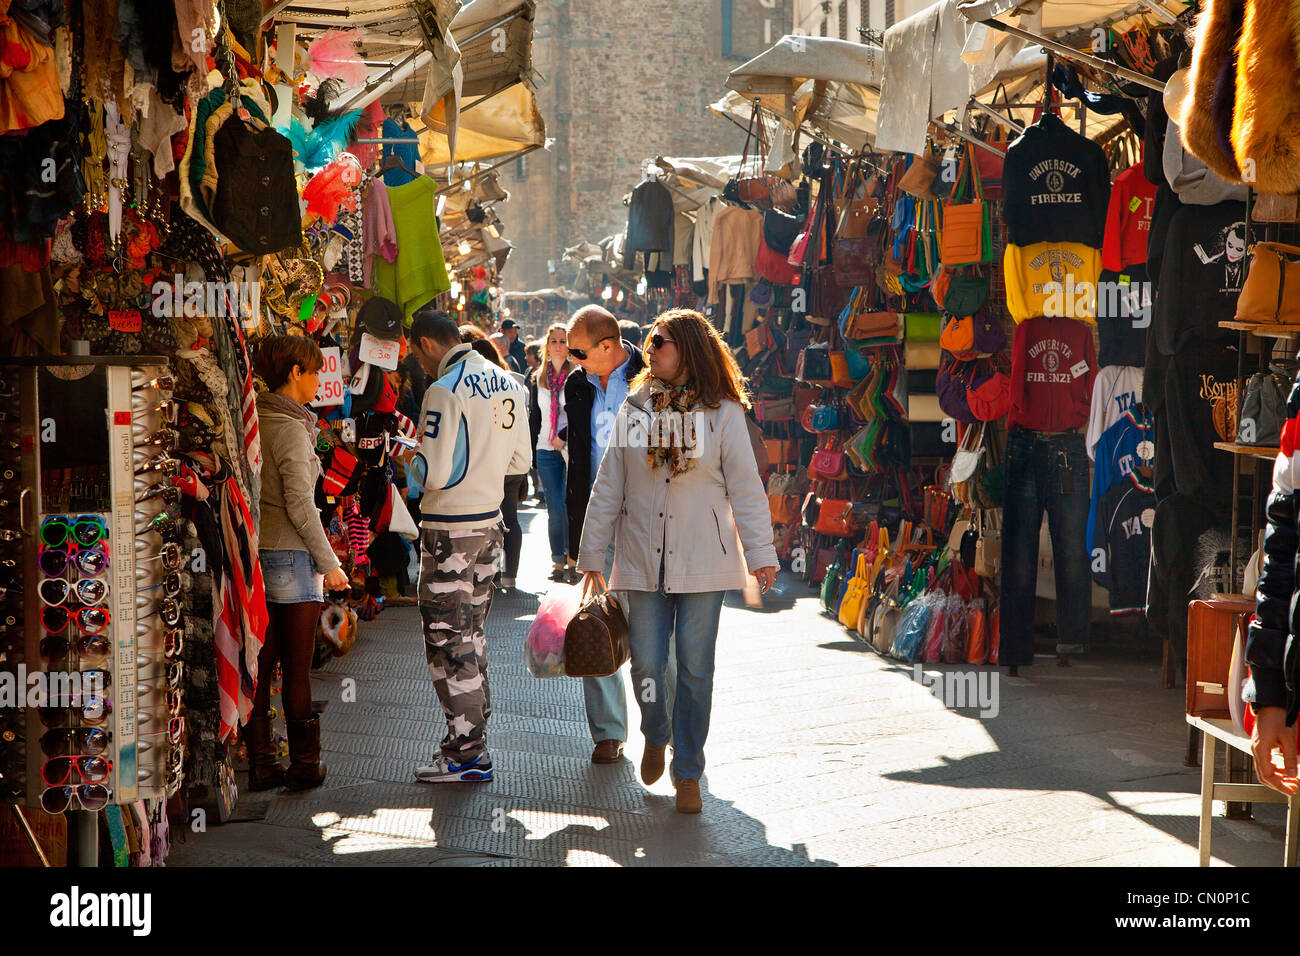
933 651
956 631
909 639
544 645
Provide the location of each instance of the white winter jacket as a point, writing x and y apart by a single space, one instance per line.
698 524
474 432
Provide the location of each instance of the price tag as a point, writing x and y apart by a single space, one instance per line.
1079 369
380 351
331 387
124 320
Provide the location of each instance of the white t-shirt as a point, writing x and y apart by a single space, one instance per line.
1117 389
544 407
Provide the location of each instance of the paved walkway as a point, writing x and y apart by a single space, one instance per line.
821 753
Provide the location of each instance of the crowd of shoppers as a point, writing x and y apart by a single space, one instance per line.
651 489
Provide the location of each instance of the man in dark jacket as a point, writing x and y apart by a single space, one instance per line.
592 398
518 356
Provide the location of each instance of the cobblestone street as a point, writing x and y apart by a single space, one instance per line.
821 753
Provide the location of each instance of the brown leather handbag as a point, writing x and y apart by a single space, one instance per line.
596 642
1271 292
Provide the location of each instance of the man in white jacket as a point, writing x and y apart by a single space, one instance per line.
474 432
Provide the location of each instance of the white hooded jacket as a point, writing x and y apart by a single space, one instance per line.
474 432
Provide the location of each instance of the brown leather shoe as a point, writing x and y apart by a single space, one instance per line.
607 751
305 768
652 763
688 796
264 770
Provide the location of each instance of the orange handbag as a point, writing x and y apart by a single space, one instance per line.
832 518
781 451
958 337
1271 292
784 509
962 240
840 376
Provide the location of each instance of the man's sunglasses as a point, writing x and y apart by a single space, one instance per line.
581 354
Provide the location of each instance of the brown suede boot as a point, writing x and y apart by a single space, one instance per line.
305 769
652 763
688 796
264 770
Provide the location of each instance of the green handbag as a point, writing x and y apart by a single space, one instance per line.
923 326
831 583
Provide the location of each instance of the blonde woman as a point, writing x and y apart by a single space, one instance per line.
682 500
548 420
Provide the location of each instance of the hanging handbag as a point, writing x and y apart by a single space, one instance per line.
854 595
832 578
874 325
826 418
918 179
596 641
989 396
773 265
781 451
965 220
827 464
814 366
988 550
840 375
967 291
989 164
1271 292
958 337
950 386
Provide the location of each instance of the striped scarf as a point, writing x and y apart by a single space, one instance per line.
555 383
239 612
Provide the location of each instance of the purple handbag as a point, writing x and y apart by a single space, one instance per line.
950 385
989 336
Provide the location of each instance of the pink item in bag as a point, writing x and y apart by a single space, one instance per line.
544 646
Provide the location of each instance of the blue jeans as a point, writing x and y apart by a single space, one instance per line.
687 624
290 577
550 468
605 698
1044 473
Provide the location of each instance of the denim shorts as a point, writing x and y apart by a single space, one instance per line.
290 577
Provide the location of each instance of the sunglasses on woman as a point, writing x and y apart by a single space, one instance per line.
581 354
93 797
657 341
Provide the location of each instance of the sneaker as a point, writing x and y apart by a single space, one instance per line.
444 770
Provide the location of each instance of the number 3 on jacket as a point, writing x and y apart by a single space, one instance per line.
508 405
432 420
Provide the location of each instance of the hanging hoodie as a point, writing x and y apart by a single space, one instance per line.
1201 275
1123 447
1128 220
1055 186
650 224
1053 363
1121 538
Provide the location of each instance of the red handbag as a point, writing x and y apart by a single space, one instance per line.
773 266
990 398
827 464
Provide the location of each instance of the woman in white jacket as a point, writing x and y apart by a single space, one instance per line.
679 492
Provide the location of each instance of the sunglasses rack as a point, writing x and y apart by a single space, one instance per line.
85 427
13 750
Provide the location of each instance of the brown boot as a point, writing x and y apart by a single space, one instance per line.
264 770
652 763
305 769
688 796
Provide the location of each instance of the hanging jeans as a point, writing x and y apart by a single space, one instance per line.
1044 473
660 625
551 468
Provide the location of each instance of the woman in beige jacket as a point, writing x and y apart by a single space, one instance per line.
679 492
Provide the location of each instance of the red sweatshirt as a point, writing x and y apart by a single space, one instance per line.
1128 220
1053 362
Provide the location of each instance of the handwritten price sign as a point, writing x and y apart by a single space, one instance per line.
380 352
331 380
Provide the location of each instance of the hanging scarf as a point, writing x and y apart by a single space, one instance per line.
673 442
555 382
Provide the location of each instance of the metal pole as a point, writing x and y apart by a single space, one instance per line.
83 838
31 836
998 117
1071 54
269 15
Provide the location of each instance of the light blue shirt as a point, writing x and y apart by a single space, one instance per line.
604 409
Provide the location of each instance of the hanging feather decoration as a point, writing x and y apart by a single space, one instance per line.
334 53
318 147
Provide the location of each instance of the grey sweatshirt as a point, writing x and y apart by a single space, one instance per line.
290 520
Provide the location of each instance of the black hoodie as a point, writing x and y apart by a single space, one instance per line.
1055 186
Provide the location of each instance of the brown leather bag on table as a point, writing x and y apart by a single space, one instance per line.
596 641
1211 629
1271 292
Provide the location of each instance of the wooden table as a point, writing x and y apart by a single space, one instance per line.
1213 730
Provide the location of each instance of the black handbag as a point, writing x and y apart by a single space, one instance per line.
596 640
780 230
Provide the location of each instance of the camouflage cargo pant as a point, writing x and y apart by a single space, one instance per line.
455 591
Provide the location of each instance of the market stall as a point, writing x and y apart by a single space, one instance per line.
171 205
